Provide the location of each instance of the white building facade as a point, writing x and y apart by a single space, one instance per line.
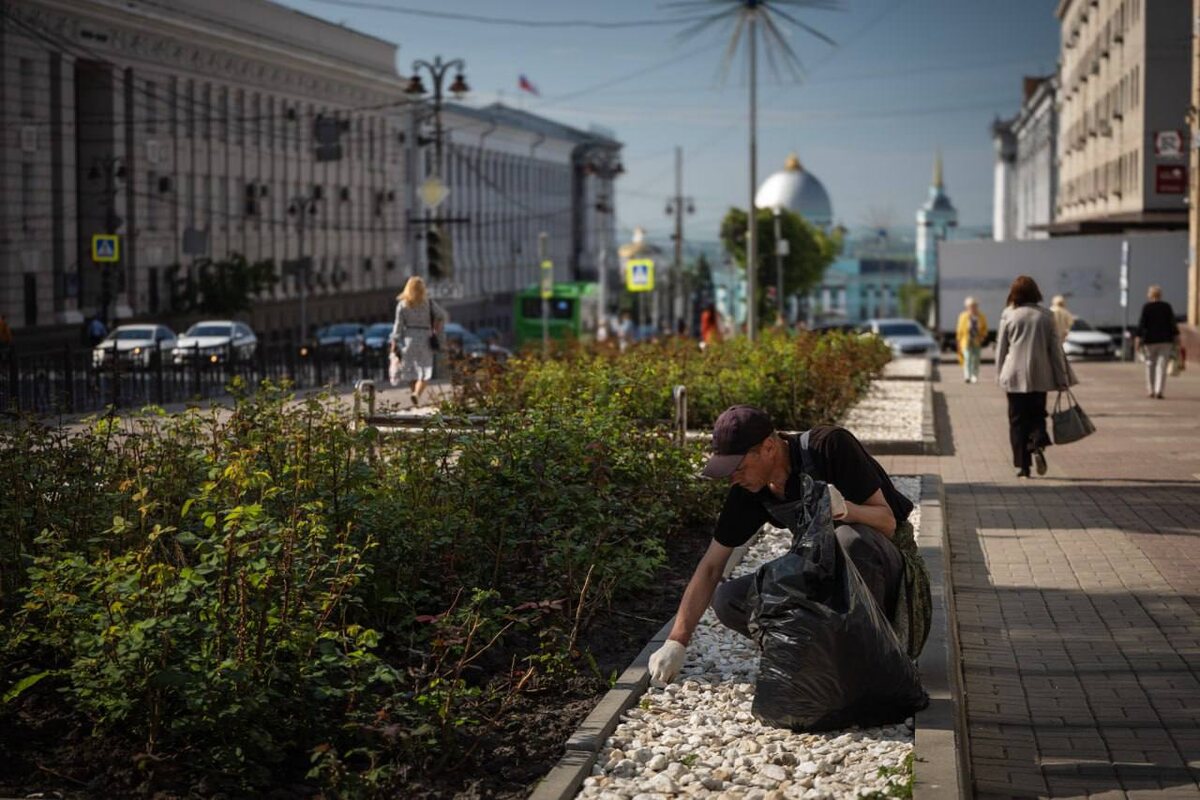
181 122
1026 165
197 130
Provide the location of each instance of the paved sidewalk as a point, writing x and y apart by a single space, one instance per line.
1078 594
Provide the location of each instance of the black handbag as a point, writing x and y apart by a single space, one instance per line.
1070 424
434 343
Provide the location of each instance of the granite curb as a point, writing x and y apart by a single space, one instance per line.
563 780
940 762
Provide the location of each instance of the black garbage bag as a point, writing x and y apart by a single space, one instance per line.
828 655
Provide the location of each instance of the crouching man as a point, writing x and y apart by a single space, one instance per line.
764 468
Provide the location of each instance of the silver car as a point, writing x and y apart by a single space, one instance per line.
215 341
906 338
134 345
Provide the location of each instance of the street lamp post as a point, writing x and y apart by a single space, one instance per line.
677 205
302 207
437 70
781 250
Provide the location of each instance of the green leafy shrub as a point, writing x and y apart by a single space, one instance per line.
800 380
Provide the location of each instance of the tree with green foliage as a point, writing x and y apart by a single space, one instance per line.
223 287
810 251
915 301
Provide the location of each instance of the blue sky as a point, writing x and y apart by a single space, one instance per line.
908 77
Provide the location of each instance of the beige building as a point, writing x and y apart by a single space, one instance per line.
1124 89
188 128
194 129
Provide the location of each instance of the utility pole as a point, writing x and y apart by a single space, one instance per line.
751 222
781 250
547 288
677 205
110 169
1193 299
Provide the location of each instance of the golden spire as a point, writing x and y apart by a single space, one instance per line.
793 163
937 170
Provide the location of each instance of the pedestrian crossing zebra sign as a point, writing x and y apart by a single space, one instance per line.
639 275
106 248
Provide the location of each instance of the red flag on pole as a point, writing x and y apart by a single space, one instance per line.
524 84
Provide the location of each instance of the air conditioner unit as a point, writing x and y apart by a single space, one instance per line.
164 184
344 193
29 138
251 190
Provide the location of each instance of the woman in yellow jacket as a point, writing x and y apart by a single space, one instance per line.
972 332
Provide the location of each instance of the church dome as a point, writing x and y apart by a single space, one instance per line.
798 190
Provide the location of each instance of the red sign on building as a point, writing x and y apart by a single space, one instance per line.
1170 179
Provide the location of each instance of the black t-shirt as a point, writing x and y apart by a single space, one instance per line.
838 458
1157 324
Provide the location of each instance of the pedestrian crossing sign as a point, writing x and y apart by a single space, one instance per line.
106 248
639 275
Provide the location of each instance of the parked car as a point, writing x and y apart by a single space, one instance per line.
906 337
135 345
215 341
1084 341
341 339
376 337
462 342
837 326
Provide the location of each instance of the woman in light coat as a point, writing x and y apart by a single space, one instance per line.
1063 318
971 334
418 319
1029 363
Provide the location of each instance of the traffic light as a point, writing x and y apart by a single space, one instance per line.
437 253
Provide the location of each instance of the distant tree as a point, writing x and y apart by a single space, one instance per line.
223 287
810 252
915 301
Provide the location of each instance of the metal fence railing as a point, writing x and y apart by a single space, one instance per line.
72 381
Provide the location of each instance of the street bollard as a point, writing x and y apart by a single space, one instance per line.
361 387
679 393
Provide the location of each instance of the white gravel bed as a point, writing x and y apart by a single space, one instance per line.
697 738
891 411
906 368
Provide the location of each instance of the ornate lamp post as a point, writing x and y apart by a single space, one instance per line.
302 207
433 192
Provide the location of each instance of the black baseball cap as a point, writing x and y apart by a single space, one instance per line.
736 432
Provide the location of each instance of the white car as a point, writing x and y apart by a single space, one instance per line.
906 337
215 341
135 345
1084 341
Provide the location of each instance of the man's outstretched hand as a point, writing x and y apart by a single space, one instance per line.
666 661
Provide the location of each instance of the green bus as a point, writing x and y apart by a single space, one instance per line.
574 311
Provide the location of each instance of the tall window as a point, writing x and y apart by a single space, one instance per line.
239 117
189 110
257 122
27 195
151 201
151 108
222 114
206 109
222 202
173 108
27 89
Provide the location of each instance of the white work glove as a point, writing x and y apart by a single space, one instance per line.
837 503
666 661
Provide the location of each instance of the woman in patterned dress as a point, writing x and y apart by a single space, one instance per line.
418 319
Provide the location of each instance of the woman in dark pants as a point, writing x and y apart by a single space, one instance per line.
1029 363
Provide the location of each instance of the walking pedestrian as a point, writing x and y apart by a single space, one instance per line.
419 320
96 330
710 325
1029 363
971 334
1063 319
625 330
1158 333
